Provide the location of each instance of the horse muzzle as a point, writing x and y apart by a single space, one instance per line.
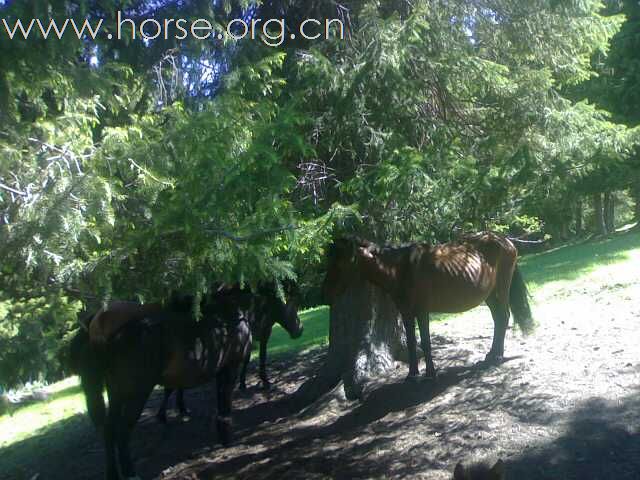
297 333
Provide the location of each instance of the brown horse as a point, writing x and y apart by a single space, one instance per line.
150 346
451 277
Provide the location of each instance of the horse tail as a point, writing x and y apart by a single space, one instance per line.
519 302
87 361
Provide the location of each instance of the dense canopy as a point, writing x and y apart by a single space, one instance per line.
134 168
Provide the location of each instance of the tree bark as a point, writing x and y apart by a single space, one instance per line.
366 337
600 227
609 212
579 218
635 193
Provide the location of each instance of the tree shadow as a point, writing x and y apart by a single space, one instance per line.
601 441
65 449
400 430
391 406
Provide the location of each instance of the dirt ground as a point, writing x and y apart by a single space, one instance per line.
564 405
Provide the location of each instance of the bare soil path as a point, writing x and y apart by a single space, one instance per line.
565 405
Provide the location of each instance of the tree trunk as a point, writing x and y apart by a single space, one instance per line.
579 218
635 193
600 227
564 230
366 337
609 212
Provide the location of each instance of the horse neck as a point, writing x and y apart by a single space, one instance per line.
381 271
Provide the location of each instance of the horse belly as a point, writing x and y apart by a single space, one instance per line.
454 295
182 372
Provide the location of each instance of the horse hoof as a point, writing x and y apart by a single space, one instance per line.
224 431
161 419
430 374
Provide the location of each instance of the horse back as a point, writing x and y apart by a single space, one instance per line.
502 254
110 320
454 277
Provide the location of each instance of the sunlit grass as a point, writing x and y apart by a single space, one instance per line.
316 333
65 401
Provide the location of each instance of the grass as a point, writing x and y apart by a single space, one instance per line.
597 267
316 333
572 262
65 400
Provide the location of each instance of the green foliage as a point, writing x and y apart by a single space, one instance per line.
30 332
125 180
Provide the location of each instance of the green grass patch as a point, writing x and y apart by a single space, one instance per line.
571 262
316 333
65 400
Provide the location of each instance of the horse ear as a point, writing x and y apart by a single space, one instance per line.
458 472
497 471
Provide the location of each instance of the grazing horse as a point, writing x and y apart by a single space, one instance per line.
479 471
149 348
451 278
267 309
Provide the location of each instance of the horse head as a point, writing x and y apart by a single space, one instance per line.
344 258
285 313
289 319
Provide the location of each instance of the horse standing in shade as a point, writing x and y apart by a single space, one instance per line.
140 346
448 278
266 309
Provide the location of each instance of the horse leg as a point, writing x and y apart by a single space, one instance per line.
500 314
182 408
130 410
161 416
263 363
225 382
110 429
109 441
425 343
243 371
409 321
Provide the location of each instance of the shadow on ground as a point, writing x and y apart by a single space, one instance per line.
601 442
563 406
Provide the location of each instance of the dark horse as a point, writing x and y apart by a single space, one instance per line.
131 348
452 277
266 309
269 309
